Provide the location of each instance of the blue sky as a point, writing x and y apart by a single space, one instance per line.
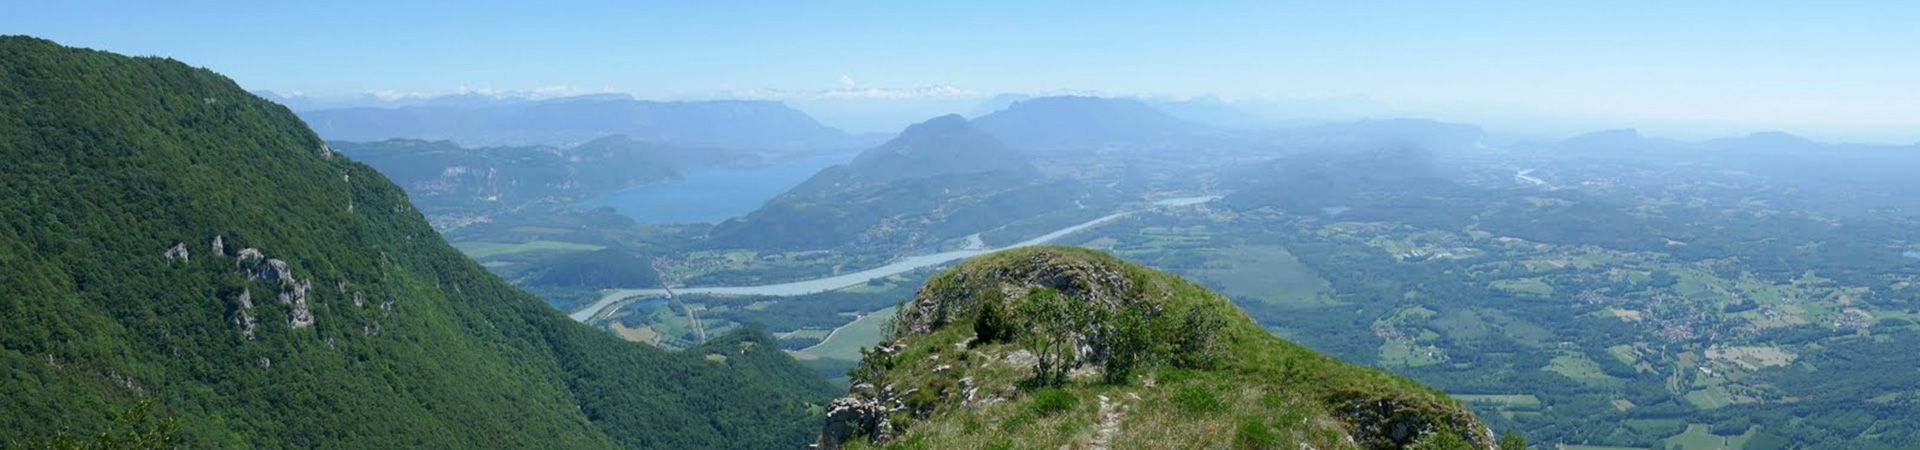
1835 70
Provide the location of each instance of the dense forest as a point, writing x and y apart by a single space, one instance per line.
174 246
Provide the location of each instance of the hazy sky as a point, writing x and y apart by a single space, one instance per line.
1837 70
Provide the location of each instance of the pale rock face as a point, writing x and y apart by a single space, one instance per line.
244 317
295 293
301 316
852 416
276 271
247 255
219 246
179 252
246 322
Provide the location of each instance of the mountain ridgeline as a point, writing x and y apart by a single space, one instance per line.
1058 347
940 179
1077 124
446 178
734 125
168 239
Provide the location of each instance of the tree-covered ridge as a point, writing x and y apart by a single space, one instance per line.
1057 347
166 236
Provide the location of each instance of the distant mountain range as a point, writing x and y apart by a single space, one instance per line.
444 177
939 179
1857 178
757 126
945 145
1069 123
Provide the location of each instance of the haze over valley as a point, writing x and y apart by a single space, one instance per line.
1249 226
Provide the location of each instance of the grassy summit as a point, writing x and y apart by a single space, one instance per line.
169 239
1054 347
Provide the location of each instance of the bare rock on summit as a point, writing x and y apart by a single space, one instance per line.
1042 331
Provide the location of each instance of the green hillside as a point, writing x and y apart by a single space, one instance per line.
168 238
1055 347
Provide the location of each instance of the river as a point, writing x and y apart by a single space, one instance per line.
613 297
1527 176
1185 201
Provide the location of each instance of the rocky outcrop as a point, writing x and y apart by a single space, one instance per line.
243 315
219 246
178 252
358 299
1104 285
1382 422
861 415
274 270
301 316
295 292
247 256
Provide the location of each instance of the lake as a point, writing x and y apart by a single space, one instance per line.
1915 254
713 195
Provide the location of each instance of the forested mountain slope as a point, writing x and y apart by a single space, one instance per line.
169 238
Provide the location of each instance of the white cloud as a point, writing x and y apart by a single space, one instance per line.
389 95
945 92
846 82
564 90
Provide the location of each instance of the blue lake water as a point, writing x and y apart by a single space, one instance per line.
1915 254
713 195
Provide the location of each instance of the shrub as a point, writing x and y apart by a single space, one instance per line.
1196 400
1015 421
1250 434
1440 441
1511 441
992 325
1048 402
